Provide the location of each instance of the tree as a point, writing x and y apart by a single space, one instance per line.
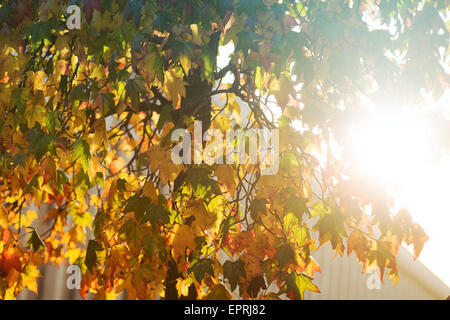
88 114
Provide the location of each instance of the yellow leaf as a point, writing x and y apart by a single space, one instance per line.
61 67
162 159
185 63
100 133
149 190
34 114
183 286
226 175
174 88
219 293
28 277
116 165
50 167
203 220
72 254
184 237
195 36
3 218
39 80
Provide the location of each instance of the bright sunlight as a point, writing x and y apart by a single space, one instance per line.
397 147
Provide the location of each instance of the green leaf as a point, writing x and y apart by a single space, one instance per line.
99 221
61 179
201 181
233 270
129 232
301 234
162 21
80 93
91 254
303 69
41 30
145 210
250 6
284 254
165 116
32 185
138 205
208 58
51 121
257 207
40 143
82 181
331 228
150 246
158 214
133 90
99 179
6 14
247 41
320 209
298 284
81 152
34 241
297 206
133 9
19 159
289 162
201 267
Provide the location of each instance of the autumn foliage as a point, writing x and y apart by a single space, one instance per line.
86 175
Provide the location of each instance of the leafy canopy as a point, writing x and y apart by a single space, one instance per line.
87 117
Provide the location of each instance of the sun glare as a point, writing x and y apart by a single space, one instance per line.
395 147
391 145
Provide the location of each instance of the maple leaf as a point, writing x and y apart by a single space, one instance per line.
331 228
233 271
174 88
202 219
28 278
282 89
298 283
81 152
160 159
34 241
419 238
285 254
357 242
91 254
256 284
227 176
149 191
202 267
258 207
219 293
134 89
183 238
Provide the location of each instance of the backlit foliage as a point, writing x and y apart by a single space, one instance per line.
87 115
